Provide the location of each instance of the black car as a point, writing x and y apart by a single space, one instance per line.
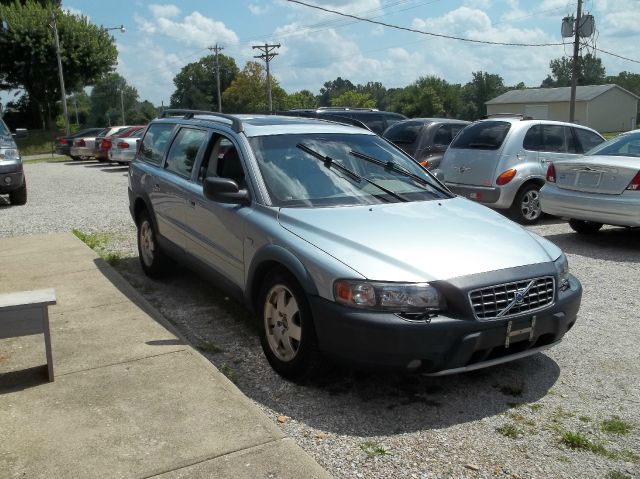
375 120
425 139
64 143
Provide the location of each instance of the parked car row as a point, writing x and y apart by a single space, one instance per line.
114 143
320 227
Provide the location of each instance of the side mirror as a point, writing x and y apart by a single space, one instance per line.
224 190
20 133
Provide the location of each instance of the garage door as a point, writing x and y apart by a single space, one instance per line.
537 112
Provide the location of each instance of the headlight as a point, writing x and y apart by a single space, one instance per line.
8 154
396 297
562 266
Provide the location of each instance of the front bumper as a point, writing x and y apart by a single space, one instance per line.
444 344
11 176
620 210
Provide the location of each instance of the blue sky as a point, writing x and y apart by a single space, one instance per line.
161 37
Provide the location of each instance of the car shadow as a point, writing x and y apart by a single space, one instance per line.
609 244
79 162
378 403
116 169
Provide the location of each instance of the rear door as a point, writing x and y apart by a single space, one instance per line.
558 143
473 156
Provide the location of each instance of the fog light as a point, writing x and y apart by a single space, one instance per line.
414 364
7 180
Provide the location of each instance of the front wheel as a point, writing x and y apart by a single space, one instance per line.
19 196
154 262
526 208
584 227
287 333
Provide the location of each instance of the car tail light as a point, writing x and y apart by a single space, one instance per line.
635 183
81 143
63 141
122 144
506 176
106 144
551 173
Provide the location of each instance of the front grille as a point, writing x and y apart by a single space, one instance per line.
511 299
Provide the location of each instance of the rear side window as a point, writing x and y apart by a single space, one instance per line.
587 139
405 132
484 135
155 141
374 122
442 136
557 138
184 151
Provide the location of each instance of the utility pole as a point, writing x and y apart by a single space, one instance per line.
122 105
54 25
575 64
267 55
217 49
75 104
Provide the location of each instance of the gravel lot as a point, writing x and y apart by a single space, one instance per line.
508 421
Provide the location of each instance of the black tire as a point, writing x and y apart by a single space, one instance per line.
154 262
585 227
526 205
292 358
19 196
76 158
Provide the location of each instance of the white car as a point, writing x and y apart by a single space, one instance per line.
123 150
602 187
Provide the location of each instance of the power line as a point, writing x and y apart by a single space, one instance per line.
422 32
611 53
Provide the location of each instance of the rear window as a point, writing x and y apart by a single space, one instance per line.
406 132
484 135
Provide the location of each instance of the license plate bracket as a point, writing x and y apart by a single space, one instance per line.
515 331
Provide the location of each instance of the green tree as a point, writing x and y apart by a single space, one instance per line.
482 88
108 96
28 59
590 72
428 97
354 99
378 92
334 88
196 86
302 99
248 91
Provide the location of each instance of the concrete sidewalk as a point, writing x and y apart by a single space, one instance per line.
130 399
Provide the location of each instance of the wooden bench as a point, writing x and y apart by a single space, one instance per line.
26 313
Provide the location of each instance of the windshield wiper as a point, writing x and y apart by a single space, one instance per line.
390 165
329 162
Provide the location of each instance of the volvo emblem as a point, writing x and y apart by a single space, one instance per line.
519 297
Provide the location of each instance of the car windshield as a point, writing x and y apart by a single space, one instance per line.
4 131
483 135
623 145
336 169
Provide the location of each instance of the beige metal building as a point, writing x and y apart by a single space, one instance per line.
605 108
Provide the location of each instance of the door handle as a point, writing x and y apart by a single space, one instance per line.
192 203
156 187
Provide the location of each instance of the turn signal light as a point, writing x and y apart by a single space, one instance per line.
506 176
424 163
635 183
551 173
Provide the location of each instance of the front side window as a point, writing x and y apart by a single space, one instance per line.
483 135
405 133
557 139
155 141
297 173
442 136
184 151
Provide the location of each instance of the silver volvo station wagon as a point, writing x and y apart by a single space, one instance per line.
343 246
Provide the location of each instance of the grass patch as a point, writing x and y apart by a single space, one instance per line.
615 425
372 449
616 475
228 371
510 430
564 459
210 347
575 440
535 407
584 418
98 243
38 142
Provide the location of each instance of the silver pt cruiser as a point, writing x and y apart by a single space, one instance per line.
343 246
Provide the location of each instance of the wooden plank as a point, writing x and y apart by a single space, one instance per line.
26 299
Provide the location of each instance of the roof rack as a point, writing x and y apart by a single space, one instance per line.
509 115
236 123
345 108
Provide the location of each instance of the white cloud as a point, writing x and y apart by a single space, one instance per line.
257 9
194 29
164 11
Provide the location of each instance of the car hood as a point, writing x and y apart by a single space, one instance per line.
419 241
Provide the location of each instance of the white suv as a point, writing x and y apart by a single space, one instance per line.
502 162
